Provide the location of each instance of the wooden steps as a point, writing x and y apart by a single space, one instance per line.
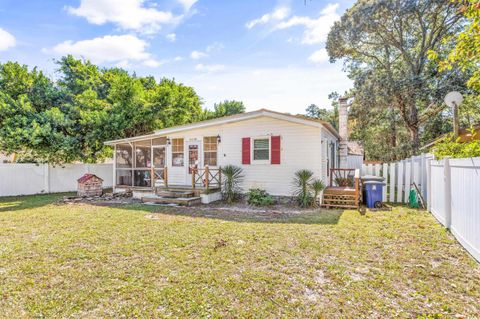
175 193
182 201
339 197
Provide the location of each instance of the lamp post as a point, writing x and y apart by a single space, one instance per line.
454 99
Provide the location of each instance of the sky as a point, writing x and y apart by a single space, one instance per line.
268 54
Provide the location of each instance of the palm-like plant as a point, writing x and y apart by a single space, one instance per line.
301 183
233 178
317 186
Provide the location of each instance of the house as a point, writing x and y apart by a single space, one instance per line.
269 146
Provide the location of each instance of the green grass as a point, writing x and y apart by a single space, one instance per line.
93 261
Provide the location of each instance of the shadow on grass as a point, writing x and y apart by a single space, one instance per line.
258 215
15 203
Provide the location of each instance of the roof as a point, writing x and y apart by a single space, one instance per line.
299 119
86 177
464 135
355 148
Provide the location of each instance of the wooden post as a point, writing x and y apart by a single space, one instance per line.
357 188
331 172
207 177
194 171
165 176
220 178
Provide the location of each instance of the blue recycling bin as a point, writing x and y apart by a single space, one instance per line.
373 193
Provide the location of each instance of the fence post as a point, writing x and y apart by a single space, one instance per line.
448 192
429 184
408 175
400 182
385 176
392 182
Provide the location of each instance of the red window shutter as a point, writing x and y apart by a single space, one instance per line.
246 150
275 149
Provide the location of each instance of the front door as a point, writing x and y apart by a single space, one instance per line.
193 158
159 163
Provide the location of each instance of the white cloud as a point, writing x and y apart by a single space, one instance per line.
278 14
216 46
120 49
177 58
127 14
172 37
7 40
319 56
316 29
187 4
209 68
198 55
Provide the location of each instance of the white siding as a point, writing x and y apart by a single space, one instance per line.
301 148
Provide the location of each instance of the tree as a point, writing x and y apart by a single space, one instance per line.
69 119
225 108
330 116
466 53
385 45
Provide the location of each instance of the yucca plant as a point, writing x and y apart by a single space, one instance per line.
317 186
232 181
301 183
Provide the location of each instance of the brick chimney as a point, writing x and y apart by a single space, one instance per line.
343 130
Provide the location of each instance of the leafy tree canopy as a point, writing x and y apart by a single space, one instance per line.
69 119
225 108
397 90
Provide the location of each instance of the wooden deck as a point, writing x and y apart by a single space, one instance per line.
343 196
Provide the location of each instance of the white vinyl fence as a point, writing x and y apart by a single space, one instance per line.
28 179
400 177
450 188
455 199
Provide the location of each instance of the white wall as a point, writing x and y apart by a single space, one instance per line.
300 149
28 179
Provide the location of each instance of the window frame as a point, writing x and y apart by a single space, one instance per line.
210 151
182 152
252 150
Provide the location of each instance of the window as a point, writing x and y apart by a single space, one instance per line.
210 150
177 152
261 149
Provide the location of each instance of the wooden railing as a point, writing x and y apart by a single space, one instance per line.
159 175
342 177
206 177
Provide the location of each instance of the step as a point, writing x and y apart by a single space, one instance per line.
174 194
339 206
182 201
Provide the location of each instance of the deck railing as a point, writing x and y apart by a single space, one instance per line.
207 177
342 177
160 177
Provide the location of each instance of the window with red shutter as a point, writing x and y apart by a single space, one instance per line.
246 150
275 149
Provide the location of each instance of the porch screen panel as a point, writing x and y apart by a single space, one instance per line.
123 165
210 150
142 175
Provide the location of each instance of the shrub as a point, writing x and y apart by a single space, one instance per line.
317 186
451 147
232 181
259 197
301 183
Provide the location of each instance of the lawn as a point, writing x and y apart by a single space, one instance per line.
148 261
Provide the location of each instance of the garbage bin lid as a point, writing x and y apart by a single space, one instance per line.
372 178
374 183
